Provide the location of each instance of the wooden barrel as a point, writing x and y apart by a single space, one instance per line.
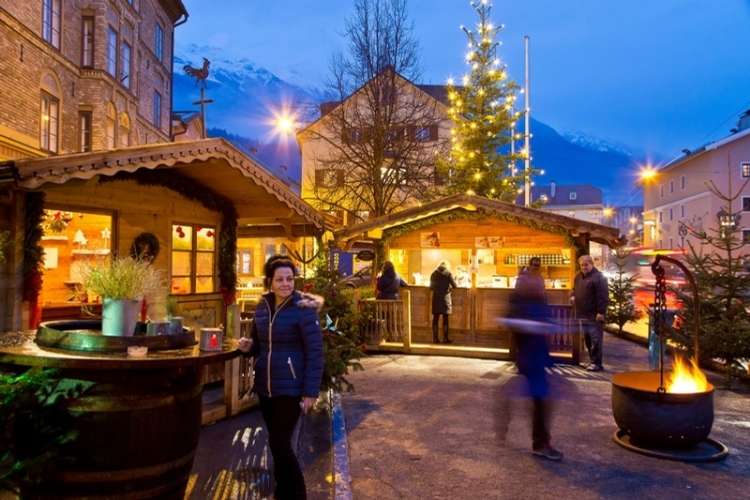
138 431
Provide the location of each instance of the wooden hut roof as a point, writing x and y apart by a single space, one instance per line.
259 197
374 228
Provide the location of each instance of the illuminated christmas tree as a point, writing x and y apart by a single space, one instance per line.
483 115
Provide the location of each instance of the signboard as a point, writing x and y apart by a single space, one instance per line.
429 240
488 242
365 255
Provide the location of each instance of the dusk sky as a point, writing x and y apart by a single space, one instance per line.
656 75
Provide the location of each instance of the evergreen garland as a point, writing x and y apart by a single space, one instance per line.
480 214
194 190
33 253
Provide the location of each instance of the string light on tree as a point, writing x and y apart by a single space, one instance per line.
482 113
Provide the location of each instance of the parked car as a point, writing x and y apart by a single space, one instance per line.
363 277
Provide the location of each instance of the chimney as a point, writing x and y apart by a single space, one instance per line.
551 190
744 122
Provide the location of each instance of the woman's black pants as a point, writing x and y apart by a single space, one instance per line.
280 414
435 319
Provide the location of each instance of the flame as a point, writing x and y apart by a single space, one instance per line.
686 379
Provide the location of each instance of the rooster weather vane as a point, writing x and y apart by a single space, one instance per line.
200 75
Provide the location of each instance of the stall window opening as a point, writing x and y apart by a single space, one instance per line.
193 259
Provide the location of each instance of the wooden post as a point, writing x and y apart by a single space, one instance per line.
407 319
232 386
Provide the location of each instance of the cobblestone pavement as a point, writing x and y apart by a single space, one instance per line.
424 427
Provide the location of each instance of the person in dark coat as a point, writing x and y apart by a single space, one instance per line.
530 320
441 284
389 282
590 300
287 347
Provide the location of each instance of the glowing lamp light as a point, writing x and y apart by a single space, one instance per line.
608 212
284 124
648 173
633 220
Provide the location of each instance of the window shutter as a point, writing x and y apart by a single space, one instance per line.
433 132
339 177
319 177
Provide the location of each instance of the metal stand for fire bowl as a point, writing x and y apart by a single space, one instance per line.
652 421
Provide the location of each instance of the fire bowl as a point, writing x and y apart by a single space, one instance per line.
654 419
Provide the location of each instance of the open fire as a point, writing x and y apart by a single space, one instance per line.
686 377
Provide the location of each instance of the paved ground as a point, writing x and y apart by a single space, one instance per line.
424 427
233 462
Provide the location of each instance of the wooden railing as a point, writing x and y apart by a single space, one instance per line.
567 338
389 320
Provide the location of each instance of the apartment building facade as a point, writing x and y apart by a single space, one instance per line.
679 197
85 75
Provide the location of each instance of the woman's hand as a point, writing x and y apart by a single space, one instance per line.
307 403
245 344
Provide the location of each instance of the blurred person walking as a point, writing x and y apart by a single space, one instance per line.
530 322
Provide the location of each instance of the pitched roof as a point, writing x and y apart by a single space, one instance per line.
585 194
597 232
437 92
200 159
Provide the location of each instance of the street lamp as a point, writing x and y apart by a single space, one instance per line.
648 174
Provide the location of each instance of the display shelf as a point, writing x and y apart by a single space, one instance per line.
95 251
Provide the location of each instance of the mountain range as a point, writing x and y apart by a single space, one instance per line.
247 96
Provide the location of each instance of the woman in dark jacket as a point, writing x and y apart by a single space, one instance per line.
389 282
441 284
287 345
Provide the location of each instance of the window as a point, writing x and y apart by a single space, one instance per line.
124 130
361 215
671 186
159 42
671 214
112 51
87 42
573 196
245 262
329 177
746 203
746 236
110 130
125 53
661 190
84 131
682 210
50 119
671 244
51 22
660 217
426 134
682 182
193 257
393 175
745 168
156 110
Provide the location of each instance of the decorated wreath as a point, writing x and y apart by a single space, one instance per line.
145 247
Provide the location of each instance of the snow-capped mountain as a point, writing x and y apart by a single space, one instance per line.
246 97
596 143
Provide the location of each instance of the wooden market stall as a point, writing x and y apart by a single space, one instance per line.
486 243
184 202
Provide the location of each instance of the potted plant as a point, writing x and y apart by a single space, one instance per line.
122 284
